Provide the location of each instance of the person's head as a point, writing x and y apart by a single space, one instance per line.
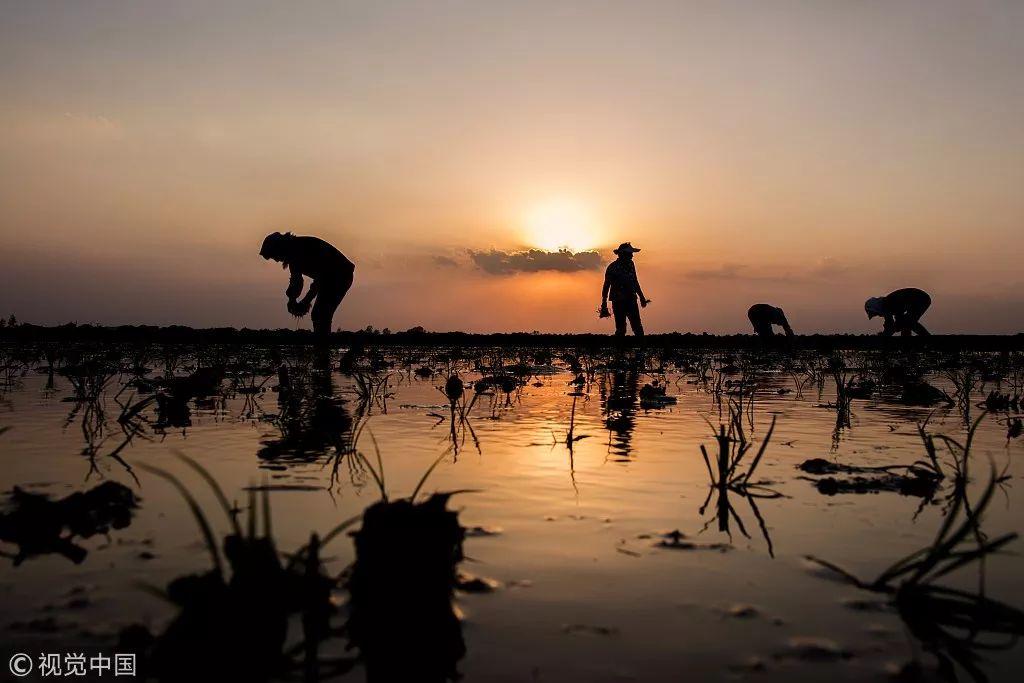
626 251
275 246
874 306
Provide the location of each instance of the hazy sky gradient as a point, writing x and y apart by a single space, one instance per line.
807 154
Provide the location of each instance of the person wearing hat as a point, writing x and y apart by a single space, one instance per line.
623 289
763 316
328 269
901 309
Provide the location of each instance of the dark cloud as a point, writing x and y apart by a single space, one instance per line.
497 262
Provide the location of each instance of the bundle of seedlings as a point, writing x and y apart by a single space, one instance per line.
727 477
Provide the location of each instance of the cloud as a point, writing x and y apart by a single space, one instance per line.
736 272
498 262
825 269
444 262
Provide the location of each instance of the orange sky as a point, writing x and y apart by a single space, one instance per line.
804 154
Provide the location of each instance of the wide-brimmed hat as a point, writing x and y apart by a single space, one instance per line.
626 248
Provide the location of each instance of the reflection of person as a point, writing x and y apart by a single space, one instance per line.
622 288
620 402
331 274
901 309
763 316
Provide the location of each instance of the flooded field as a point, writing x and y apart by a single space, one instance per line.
707 516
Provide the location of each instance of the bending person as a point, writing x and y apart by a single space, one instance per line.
763 316
331 274
901 309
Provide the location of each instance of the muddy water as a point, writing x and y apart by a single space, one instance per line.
571 535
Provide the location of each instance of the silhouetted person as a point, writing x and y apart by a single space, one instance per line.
330 272
901 309
622 288
763 316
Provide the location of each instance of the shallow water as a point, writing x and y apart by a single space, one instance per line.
570 535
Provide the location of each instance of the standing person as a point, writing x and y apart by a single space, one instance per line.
331 274
763 316
623 289
901 309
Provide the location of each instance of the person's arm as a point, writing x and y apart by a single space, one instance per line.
604 290
639 292
889 326
295 284
314 289
784 322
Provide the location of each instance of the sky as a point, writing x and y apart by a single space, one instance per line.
806 154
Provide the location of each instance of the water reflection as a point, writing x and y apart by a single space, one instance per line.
311 418
620 400
398 622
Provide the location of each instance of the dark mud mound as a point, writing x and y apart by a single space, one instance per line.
401 587
907 480
40 526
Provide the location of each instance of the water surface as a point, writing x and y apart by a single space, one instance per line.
566 526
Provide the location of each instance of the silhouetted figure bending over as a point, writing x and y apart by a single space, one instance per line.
763 316
330 272
622 288
901 309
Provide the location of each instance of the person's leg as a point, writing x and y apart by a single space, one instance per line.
619 313
914 317
764 329
327 302
634 320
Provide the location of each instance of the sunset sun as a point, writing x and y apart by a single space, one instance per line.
561 224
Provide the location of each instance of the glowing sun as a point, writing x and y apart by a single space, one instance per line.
561 224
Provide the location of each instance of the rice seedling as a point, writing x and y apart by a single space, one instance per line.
235 616
728 477
373 390
459 423
953 625
965 380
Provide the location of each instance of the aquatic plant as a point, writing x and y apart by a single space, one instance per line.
235 617
727 477
952 624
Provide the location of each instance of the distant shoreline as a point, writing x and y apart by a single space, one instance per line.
176 334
